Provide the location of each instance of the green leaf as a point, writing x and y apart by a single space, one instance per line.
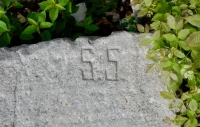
192 122
157 16
92 27
33 15
171 22
45 25
165 27
176 67
6 2
68 7
32 22
145 42
17 5
46 35
148 2
197 61
193 39
2 13
194 20
169 37
142 12
3 27
155 25
150 68
29 30
63 2
6 20
167 95
193 105
44 4
51 1
42 16
183 34
4 39
179 25
88 21
102 10
183 45
179 120
173 76
26 36
49 7
166 64
59 7
111 5
53 14
140 28
185 96
156 35
179 54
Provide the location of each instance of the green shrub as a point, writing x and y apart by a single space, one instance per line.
176 54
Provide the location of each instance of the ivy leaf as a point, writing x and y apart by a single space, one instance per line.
171 22
185 96
183 45
46 35
176 67
167 95
179 120
193 105
45 25
59 7
6 20
183 34
29 30
194 20
140 28
51 1
88 20
179 25
150 68
193 39
155 25
63 2
53 14
3 27
148 2
51 6
145 42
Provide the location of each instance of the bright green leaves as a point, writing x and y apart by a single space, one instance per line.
45 25
6 2
194 20
148 2
193 105
53 14
171 22
4 39
167 95
3 27
193 39
183 34
179 120
29 30
63 2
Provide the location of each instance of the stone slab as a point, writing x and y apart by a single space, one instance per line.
90 82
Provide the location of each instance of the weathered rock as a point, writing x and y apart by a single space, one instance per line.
99 82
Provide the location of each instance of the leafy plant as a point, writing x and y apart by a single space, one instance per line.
176 54
49 19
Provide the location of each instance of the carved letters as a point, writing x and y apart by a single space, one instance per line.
89 61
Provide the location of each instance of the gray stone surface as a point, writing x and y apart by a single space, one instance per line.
96 82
